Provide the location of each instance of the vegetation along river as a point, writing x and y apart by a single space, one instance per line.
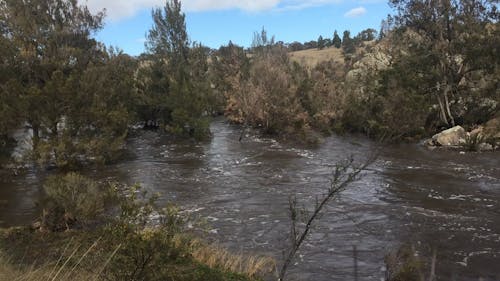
436 199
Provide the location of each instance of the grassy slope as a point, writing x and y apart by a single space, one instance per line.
30 256
312 57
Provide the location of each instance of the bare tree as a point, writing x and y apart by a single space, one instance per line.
345 173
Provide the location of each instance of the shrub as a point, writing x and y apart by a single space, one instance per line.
404 265
72 201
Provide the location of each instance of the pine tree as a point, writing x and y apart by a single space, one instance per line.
337 42
321 43
178 81
348 45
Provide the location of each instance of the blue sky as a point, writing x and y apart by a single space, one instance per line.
215 22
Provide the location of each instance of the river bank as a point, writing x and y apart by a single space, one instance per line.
241 190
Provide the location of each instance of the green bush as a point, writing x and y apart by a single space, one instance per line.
72 201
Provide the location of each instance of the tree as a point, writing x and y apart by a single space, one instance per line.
321 43
337 42
229 68
302 221
348 45
265 89
9 102
261 41
385 27
296 46
367 35
458 38
175 79
52 57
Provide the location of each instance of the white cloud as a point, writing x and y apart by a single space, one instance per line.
356 12
288 5
117 10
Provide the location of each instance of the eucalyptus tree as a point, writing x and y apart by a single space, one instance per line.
456 40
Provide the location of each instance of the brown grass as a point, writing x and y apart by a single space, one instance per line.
310 58
52 272
9 272
216 256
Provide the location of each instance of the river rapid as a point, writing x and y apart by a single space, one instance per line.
439 199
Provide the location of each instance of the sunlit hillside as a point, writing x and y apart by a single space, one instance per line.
311 57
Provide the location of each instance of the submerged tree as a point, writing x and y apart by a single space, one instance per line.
51 41
176 81
69 89
302 221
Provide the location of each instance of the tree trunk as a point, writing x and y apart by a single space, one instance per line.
442 112
447 104
36 135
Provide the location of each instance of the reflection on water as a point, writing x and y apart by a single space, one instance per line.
436 198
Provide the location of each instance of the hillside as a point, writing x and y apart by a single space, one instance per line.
311 57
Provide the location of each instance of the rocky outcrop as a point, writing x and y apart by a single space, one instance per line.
451 137
371 63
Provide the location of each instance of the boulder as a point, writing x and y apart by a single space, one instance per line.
451 137
492 128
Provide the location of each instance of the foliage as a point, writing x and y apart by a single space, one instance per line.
404 265
269 98
368 34
72 201
337 42
473 142
321 43
391 107
325 100
454 40
348 45
73 93
174 81
229 68
134 240
302 221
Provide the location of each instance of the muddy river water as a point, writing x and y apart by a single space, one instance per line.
432 199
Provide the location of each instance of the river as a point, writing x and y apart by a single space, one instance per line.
433 199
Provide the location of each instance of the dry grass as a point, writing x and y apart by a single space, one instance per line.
64 269
216 256
9 272
310 58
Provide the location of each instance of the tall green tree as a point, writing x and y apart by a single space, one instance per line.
51 39
348 45
336 41
73 93
229 67
456 39
368 34
9 103
321 43
177 79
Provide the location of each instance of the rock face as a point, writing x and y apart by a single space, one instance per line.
372 62
451 137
